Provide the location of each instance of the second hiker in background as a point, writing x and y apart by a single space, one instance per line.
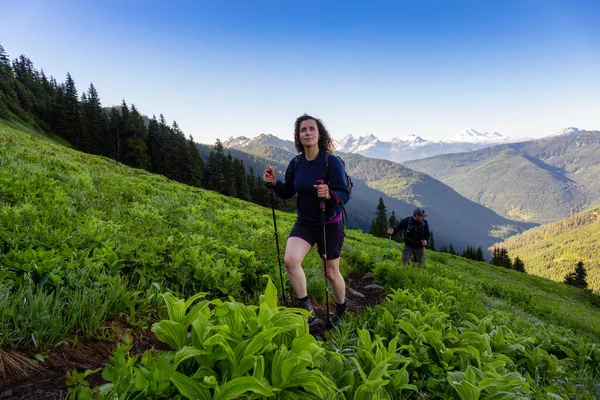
415 231
314 163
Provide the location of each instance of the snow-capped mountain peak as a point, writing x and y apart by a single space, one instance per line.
569 131
411 138
470 135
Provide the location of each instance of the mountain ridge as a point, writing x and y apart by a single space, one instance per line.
402 148
540 181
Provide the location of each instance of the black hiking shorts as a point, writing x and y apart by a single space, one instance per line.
312 234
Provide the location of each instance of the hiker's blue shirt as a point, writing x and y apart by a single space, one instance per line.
300 178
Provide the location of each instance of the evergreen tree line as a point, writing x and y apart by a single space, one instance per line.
381 223
577 278
501 258
469 252
121 132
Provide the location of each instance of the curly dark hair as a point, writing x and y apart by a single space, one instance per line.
325 142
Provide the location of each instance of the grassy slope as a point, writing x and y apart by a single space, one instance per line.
62 200
553 250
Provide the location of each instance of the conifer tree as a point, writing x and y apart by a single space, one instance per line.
262 194
250 178
451 250
69 119
94 123
479 254
518 265
496 257
195 164
136 134
505 259
229 187
379 224
153 145
241 182
115 128
578 277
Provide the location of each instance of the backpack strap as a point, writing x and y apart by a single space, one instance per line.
344 214
295 167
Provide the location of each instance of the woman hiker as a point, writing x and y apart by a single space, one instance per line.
302 177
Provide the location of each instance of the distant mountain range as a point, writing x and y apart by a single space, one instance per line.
399 149
539 181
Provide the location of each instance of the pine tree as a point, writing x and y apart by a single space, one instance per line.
479 254
518 265
241 183
229 188
69 113
94 123
153 145
4 62
211 175
115 127
262 194
581 275
379 224
496 257
218 168
468 253
578 277
161 149
195 164
7 81
505 259
451 250
136 134
251 182
178 150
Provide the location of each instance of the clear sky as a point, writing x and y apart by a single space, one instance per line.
224 68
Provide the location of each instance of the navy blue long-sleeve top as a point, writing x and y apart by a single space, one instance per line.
300 178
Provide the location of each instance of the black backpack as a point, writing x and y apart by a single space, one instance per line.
348 179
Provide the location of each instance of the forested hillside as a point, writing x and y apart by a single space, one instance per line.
553 250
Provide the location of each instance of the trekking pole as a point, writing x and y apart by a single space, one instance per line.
322 207
270 187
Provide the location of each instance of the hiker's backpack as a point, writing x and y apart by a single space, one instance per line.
349 183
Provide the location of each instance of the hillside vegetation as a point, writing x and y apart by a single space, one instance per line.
540 181
85 239
553 250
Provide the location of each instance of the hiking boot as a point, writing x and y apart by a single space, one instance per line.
338 315
340 309
312 319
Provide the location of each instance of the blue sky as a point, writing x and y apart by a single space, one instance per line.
228 68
